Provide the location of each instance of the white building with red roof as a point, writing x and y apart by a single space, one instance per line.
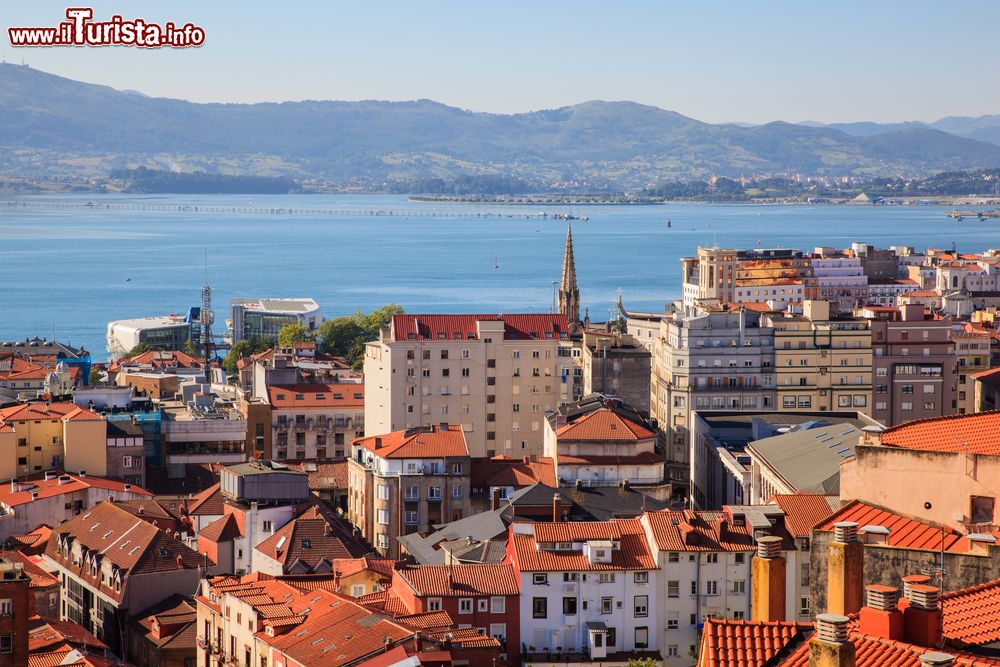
588 591
601 441
496 375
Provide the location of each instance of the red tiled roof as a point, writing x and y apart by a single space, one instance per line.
207 503
878 652
223 529
333 396
384 601
461 580
48 488
418 443
972 615
463 327
604 424
309 540
41 411
698 531
805 510
322 475
642 458
427 620
176 618
45 634
903 531
747 643
975 434
987 373
40 579
633 552
32 543
505 471
159 359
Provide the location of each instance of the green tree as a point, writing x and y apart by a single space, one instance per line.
337 336
378 319
293 333
191 350
346 336
241 349
640 662
96 377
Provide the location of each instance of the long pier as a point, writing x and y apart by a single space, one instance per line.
261 210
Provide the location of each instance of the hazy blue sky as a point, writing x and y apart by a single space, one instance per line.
716 61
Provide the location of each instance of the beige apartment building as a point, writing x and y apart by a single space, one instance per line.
822 362
495 375
973 352
408 481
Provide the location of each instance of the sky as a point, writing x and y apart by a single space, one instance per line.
717 61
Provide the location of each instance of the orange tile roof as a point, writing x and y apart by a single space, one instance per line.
633 552
418 443
804 510
904 532
40 579
384 601
747 643
461 580
309 539
207 503
463 327
333 396
642 458
45 635
972 615
878 652
48 488
604 424
32 543
40 411
159 359
506 471
223 529
698 531
975 434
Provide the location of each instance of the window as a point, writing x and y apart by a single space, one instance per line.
711 587
410 518
739 558
411 493
539 608
540 579
694 588
465 606
672 620
982 509
711 558
6 643
673 557
672 651
482 605
740 586
612 636
382 516
457 491
607 604
641 637
641 606
498 605
6 607
606 577
383 492
569 606
803 606
673 589
641 577
433 604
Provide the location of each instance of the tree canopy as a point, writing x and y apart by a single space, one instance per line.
243 348
291 334
346 336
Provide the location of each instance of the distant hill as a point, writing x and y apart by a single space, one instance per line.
53 126
981 128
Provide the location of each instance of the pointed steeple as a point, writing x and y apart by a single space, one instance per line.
569 293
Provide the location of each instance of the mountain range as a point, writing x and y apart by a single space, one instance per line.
57 127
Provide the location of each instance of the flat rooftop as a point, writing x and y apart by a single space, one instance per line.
286 305
153 322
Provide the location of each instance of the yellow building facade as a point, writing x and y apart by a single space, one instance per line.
35 437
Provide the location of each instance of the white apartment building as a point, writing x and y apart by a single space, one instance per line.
840 280
166 332
496 375
585 586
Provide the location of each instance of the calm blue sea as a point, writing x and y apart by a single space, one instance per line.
63 272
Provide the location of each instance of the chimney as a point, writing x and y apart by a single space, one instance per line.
908 582
336 580
829 647
936 659
180 561
881 615
980 543
845 570
378 442
626 485
922 618
82 473
495 501
556 513
767 581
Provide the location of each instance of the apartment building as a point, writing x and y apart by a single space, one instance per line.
113 565
586 588
821 361
202 427
315 421
716 361
496 375
839 279
708 279
617 365
40 436
914 364
972 350
408 481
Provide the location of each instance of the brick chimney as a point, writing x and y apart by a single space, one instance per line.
845 570
495 500
767 581
922 617
556 509
881 615
829 647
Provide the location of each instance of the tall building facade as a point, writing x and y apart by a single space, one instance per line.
717 361
496 375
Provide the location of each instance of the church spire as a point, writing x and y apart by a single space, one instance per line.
569 293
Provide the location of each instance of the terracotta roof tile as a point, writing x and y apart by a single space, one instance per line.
32 543
904 532
972 615
461 580
604 424
698 531
877 652
43 411
46 635
49 488
333 396
805 510
463 327
222 530
207 503
505 471
633 552
418 443
976 434
309 540
747 643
